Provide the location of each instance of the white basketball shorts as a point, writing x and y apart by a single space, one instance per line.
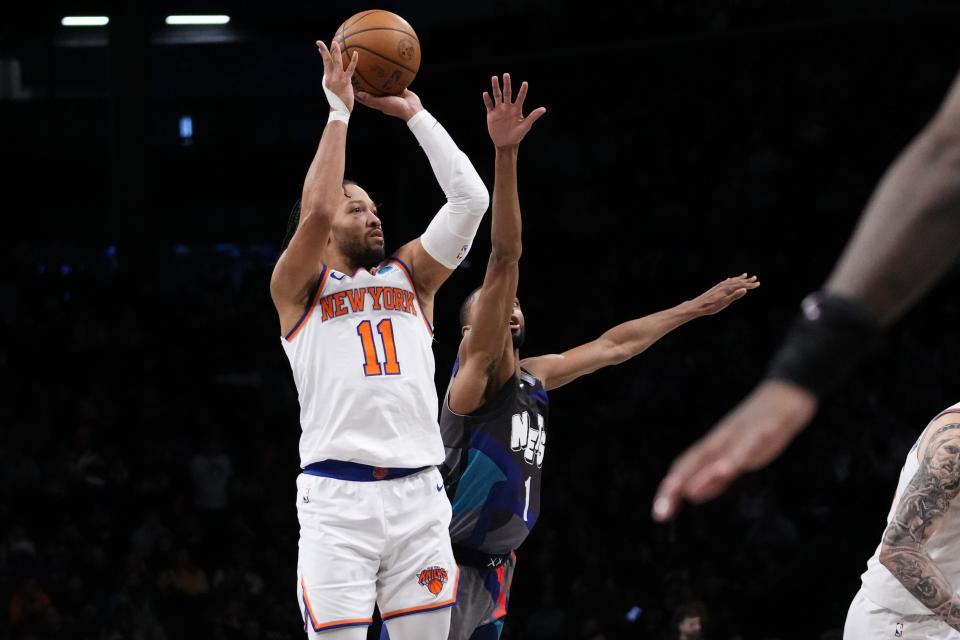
383 541
867 620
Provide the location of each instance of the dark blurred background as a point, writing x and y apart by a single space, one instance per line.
149 423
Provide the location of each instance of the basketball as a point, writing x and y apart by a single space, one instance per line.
388 48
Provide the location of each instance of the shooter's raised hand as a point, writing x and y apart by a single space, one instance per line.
337 80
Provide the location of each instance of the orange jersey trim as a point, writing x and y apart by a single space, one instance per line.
313 304
327 625
427 607
403 267
406 271
342 623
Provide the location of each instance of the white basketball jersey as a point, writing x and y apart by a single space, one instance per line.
362 360
879 584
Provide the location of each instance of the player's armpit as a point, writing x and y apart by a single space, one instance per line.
542 368
427 273
557 369
486 353
431 273
298 268
922 507
476 380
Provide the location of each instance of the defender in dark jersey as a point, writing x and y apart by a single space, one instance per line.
495 446
486 357
494 415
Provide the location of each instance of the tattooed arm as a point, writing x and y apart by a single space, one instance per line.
922 507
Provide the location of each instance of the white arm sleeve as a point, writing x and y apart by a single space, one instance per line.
451 232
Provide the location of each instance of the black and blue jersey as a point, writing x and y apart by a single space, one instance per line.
492 469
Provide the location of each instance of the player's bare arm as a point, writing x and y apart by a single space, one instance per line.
632 338
486 352
436 254
907 238
910 233
299 266
927 499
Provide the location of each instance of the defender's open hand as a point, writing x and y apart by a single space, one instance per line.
505 120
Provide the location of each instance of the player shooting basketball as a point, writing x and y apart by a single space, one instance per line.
494 416
357 331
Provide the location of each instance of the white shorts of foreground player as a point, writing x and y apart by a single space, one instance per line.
384 542
867 620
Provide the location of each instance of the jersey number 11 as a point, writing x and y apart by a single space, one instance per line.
371 363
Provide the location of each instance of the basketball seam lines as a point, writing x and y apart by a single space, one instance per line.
356 33
374 53
363 17
365 81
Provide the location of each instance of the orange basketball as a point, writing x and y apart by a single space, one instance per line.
388 48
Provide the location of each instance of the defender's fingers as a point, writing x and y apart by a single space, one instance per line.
487 101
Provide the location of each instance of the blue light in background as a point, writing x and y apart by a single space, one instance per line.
186 129
227 248
111 251
65 269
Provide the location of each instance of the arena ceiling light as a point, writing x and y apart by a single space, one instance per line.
203 19
84 21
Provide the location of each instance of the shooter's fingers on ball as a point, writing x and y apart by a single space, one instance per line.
325 54
354 59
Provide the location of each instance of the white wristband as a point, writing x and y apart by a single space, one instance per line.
340 111
339 116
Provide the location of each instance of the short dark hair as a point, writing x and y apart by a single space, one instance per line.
465 307
694 609
293 221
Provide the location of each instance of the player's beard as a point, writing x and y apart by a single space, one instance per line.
518 337
362 255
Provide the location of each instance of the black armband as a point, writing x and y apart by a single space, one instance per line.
825 343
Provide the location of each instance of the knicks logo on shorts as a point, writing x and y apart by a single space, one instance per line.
433 578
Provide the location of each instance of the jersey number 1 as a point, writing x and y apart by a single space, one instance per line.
371 365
